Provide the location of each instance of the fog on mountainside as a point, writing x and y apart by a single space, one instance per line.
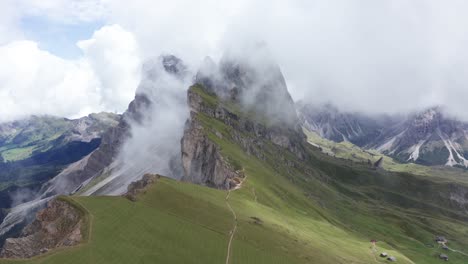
155 133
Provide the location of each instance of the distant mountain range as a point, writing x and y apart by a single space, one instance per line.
429 137
35 149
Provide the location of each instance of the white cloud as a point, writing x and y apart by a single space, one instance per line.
113 55
365 55
33 81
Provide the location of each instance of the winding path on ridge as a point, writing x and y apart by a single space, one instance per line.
454 250
234 229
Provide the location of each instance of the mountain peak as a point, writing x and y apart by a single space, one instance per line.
430 114
254 80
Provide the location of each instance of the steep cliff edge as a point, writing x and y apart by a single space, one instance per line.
203 160
60 224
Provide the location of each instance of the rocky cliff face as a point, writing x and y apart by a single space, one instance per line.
202 159
58 225
247 92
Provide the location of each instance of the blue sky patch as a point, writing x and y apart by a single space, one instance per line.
58 38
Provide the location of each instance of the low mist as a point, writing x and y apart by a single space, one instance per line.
154 142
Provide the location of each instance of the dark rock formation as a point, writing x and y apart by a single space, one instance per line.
174 66
58 225
379 163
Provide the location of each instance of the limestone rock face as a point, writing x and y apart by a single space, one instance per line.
58 225
202 160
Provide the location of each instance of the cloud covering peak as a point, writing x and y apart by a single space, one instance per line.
364 55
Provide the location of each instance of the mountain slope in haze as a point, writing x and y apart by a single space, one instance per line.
99 164
106 169
330 123
37 148
429 137
25 138
346 150
284 208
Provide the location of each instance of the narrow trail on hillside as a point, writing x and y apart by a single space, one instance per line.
454 250
255 194
234 229
374 253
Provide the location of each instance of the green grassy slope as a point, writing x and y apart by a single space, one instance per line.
318 210
177 222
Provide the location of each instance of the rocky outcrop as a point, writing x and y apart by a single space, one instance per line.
202 160
379 163
288 137
58 225
137 187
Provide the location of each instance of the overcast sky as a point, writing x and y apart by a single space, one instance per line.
72 57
